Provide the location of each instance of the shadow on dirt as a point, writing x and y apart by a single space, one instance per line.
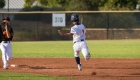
36 67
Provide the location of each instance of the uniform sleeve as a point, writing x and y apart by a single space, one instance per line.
12 33
1 34
11 30
73 30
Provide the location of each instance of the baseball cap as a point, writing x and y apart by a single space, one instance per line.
6 18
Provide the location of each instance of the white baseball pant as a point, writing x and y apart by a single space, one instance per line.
6 52
80 46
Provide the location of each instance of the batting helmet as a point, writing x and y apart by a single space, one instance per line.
74 17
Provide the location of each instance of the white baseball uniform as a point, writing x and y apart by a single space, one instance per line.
79 36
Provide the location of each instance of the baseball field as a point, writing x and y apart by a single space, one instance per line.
54 60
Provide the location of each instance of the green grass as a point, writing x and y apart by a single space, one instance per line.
64 49
44 49
115 48
23 76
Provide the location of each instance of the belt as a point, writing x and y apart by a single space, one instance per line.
6 41
80 40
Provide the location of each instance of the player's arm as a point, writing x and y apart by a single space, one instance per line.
64 34
7 32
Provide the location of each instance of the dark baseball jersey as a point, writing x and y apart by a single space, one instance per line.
1 34
4 37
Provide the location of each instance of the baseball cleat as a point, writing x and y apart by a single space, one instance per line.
5 67
87 57
80 67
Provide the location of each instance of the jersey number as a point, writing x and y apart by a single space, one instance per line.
83 31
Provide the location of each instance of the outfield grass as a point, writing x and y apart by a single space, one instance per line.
115 48
43 49
64 49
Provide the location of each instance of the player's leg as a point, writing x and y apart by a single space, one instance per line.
4 56
77 55
85 51
9 51
77 58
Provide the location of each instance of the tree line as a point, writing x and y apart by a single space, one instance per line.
80 5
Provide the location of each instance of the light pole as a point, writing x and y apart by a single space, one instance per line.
8 5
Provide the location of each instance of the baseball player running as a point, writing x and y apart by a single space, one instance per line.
5 46
78 32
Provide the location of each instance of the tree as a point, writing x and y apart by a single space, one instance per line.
46 3
49 3
87 4
79 4
75 5
66 4
98 4
119 5
2 3
28 3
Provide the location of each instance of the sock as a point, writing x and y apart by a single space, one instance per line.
77 59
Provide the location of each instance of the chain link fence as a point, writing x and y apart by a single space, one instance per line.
37 26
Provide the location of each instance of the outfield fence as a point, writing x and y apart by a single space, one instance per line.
37 26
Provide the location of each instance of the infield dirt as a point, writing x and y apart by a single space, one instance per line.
94 69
